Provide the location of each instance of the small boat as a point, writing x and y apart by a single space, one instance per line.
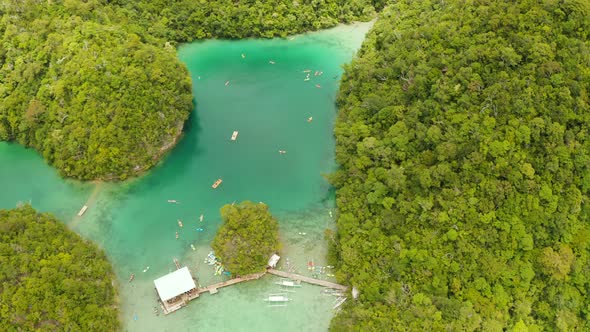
82 210
271 62
243 56
179 222
318 86
131 277
199 229
226 83
278 300
234 135
287 283
193 247
177 235
310 119
172 201
210 259
201 218
146 269
306 70
282 151
339 303
216 183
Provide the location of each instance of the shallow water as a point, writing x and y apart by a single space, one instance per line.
269 104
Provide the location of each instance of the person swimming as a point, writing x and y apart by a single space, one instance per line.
131 277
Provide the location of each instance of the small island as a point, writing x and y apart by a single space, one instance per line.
248 236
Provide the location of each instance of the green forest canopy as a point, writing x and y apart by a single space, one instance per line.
51 279
96 87
247 238
464 143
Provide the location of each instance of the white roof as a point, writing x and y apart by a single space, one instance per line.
174 284
274 259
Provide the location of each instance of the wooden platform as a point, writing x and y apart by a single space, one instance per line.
212 289
308 280
184 299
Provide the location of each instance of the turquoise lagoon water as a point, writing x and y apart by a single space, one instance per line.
259 88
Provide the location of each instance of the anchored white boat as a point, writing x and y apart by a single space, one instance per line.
82 210
234 136
277 300
339 302
288 283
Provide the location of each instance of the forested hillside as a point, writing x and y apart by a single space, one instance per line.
95 86
186 20
94 98
51 279
464 140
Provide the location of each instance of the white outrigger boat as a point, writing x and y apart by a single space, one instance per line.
339 302
234 135
277 300
82 210
287 283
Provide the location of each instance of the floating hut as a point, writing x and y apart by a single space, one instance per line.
274 259
176 289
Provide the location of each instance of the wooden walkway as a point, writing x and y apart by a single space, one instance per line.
213 288
309 280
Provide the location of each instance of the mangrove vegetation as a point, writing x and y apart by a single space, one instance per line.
50 278
95 86
463 139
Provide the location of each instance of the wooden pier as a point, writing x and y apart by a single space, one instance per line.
183 299
212 289
308 280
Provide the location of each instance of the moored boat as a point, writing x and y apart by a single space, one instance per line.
216 183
